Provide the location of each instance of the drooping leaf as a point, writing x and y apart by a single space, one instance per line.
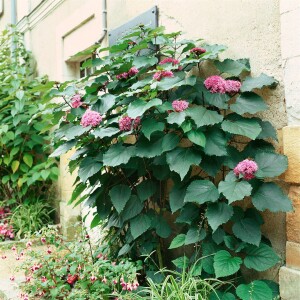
268 131
217 295
270 196
169 141
197 137
144 61
225 264
176 118
256 290
209 249
178 241
150 126
138 107
117 155
181 159
105 132
28 159
248 230
88 167
15 166
65 147
217 214
270 164
216 99
203 116
132 208
201 191
218 236
188 214
119 196
146 189
162 227
251 83
139 225
216 142
104 104
181 262
260 258
248 102
235 190
194 235
176 198
212 164
233 67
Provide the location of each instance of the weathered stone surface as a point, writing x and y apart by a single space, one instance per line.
291 146
288 5
293 218
289 282
293 255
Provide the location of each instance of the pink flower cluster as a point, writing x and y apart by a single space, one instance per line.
169 60
217 84
76 101
246 168
127 286
90 118
180 105
161 74
6 231
132 72
126 123
4 212
198 50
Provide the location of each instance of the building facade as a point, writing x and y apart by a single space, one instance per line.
266 31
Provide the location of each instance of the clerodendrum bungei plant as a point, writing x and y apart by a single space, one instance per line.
166 141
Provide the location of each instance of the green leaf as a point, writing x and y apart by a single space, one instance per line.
216 99
256 290
105 103
225 264
15 166
201 191
146 189
217 214
139 225
138 107
270 164
217 295
176 198
176 118
119 196
144 61
268 131
132 208
149 149
95 222
179 80
105 132
235 190
117 155
208 251
194 235
28 159
259 82
197 137
188 214
212 164
88 167
247 127
170 141
248 230
124 250
65 147
178 241
181 262
162 227
181 159
270 196
260 258
216 142
151 125
218 236
203 116
248 102
233 67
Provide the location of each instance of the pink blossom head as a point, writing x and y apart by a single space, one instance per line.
126 123
246 168
133 71
43 240
198 50
169 60
161 74
12 278
215 84
93 278
122 76
90 118
76 101
232 86
180 105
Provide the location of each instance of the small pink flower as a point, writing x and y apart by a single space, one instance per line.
104 280
198 50
28 244
76 101
49 251
122 76
43 240
3 256
161 74
246 168
18 258
232 86
215 84
100 255
28 278
90 118
180 105
115 281
13 248
133 71
169 60
93 278
12 278
43 279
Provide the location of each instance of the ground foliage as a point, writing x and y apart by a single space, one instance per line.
172 170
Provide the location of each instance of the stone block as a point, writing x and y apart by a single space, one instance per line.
289 282
293 255
293 218
291 146
288 5
290 34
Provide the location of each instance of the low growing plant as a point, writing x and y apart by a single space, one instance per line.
167 140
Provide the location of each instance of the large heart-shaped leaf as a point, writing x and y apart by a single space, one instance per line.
256 290
178 241
235 190
119 196
233 67
138 107
225 264
105 132
270 196
203 116
88 167
197 137
248 230
139 225
217 214
216 142
117 155
251 83
150 126
201 191
176 198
